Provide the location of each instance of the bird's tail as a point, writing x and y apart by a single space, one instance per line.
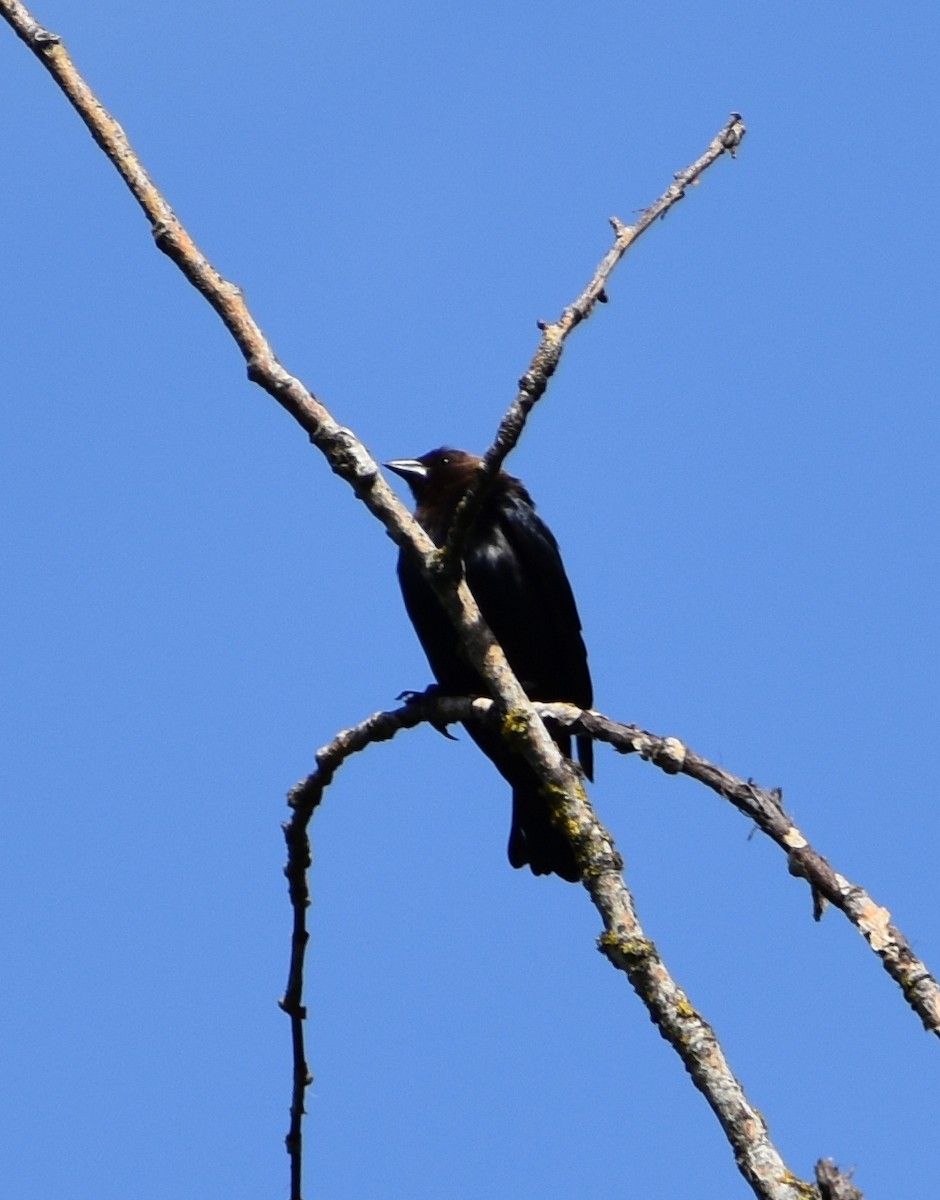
535 841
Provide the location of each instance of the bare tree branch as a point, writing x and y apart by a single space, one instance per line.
545 362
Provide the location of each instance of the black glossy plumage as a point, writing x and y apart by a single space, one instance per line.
514 569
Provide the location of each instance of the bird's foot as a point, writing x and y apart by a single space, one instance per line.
433 692
414 697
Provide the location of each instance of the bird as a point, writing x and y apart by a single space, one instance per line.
513 567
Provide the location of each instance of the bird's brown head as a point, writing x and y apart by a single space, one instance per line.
442 474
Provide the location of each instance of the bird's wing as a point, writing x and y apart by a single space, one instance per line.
519 580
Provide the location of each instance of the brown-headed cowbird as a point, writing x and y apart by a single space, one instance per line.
514 569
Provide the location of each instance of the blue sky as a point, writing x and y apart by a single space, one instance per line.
738 456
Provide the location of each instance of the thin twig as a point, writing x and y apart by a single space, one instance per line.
303 800
545 361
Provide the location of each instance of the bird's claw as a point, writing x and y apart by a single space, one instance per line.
429 693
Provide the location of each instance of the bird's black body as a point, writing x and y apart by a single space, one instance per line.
514 569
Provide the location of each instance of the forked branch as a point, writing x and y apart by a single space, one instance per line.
545 361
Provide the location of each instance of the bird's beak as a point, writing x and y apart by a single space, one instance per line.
409 469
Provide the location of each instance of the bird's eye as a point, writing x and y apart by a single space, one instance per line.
445 461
